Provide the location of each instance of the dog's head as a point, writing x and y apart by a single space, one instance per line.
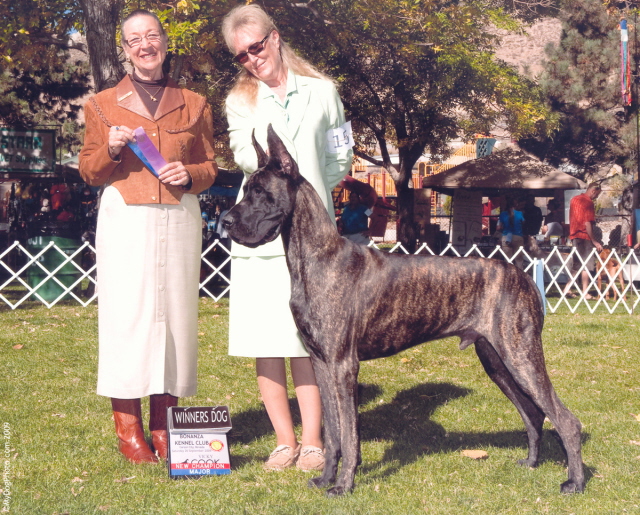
604 254
269 196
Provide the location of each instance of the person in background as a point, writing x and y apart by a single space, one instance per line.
510 224
487 207
275 86
532 217
57 198
354 221
65 215
582 218
45 210
148 238
553 220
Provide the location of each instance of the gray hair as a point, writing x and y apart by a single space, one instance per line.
141 12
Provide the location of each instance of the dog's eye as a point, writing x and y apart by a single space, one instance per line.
258 190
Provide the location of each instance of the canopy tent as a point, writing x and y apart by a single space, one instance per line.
502 172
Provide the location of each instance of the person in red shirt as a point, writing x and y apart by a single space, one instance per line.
57 197
582 217
65 215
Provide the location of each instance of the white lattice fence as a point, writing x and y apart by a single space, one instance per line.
614 291
50 274
47 274
215 272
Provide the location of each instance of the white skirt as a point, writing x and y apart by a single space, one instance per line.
148 259
260 321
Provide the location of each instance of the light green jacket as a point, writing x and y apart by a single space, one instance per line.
311 107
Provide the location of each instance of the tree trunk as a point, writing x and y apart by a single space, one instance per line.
626 207
406 223
101 18
407 230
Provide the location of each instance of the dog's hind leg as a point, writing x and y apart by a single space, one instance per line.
532 416
527 368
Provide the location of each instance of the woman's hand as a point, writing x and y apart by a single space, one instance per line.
175 174
118 138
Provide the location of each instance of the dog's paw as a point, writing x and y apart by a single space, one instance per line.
337 491
318 482
571 487
526 462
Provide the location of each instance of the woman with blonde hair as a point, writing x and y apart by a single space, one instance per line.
276 86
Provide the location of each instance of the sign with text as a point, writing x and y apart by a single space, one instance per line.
31 151
198 441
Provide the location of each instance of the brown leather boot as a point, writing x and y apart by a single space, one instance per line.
158 405
128 418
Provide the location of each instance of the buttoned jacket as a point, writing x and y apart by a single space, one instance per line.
311 107
182 130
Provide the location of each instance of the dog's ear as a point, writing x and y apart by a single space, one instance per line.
279 152
263 158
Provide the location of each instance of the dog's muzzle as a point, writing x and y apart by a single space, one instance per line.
254 234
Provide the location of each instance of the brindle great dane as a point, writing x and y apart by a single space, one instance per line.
395 302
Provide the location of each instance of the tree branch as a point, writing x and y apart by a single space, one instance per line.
389 168
315 12
69 43
367 157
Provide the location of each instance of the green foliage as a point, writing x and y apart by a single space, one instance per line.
40 81
419 410
417 74
31 26
582 84
47 98
413 74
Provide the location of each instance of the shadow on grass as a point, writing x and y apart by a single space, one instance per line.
406 422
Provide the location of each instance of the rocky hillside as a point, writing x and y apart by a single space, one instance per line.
526 51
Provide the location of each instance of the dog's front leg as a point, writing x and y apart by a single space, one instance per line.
325 377
346 373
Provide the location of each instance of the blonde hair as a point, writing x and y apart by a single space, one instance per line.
246 86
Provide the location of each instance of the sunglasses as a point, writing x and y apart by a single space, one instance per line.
254 49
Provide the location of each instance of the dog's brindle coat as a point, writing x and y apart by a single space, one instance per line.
354 303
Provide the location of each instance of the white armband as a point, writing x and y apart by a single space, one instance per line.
339 139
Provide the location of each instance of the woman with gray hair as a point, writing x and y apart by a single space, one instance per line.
276 86
148 239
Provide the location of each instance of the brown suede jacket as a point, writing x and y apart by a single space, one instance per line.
182 130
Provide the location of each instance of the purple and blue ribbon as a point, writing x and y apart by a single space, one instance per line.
144 148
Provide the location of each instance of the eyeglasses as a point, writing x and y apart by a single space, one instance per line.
152 37
254 49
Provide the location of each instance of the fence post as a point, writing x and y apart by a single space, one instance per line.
538 277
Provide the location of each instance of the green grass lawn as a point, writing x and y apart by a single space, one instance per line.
419 411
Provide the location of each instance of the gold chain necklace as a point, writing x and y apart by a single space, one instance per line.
153 98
